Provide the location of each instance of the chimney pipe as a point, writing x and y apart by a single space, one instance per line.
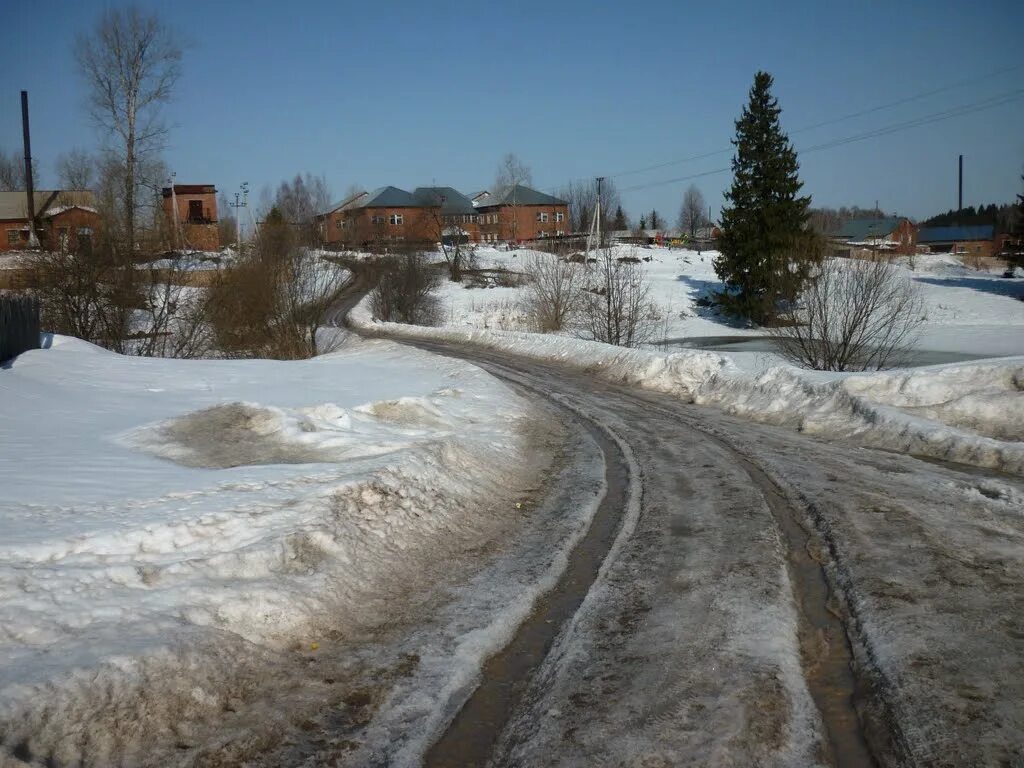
33 241
960 188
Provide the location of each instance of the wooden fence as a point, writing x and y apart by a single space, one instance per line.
19 325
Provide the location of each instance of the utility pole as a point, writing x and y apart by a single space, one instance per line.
600 179
244 194
33 241
960 191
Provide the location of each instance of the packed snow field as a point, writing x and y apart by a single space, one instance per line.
970 412
165 524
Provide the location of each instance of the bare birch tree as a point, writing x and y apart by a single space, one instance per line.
131 63
855 315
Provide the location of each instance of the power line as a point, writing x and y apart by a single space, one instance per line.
831 121
935 117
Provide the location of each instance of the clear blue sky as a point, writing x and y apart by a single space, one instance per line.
409 93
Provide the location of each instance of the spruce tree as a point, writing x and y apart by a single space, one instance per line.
655 220
766 248
619 223
643 222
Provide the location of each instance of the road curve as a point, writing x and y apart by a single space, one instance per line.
676 617
778 600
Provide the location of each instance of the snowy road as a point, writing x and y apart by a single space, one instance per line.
711 636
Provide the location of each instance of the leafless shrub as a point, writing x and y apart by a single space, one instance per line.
86 294
553 291
406 292
173 317
855 315
271 302
616 306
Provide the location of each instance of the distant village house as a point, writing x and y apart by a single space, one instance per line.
64 219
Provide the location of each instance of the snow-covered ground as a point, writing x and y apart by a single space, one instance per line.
970 312
969 412
166 523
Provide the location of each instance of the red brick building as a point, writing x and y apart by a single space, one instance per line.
518 213
64 219
191 211
389 217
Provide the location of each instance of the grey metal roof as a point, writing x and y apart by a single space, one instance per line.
955 234
863 229
13 204
452 201
388 197
516 195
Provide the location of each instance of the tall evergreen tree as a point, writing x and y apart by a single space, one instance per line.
619 223
643 222
766 249
656 221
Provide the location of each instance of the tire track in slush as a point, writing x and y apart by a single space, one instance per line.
826 652
472 735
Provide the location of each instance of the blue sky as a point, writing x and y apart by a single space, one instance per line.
410 93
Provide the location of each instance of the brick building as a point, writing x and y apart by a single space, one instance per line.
191 211
974 241
862 237
64 219
390 217
518 213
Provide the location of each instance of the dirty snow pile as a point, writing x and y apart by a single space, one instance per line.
165 523
965 412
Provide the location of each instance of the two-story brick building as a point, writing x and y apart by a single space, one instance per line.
191 211
64 219
517 213
390 217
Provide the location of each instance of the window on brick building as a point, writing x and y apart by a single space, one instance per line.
542 216
559 216
396 219
13 237
378 220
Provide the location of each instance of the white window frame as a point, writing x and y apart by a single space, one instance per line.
559 233
378 219
396 219
13 236
542 216
559 216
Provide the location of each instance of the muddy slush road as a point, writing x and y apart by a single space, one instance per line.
748 595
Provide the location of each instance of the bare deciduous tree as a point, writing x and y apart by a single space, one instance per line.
513 172
616 305
581 195
692 214
855 315
131 63
76 169
300 201
553 291
406 292
12 172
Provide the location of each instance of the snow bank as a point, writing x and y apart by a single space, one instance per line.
166 526
967 413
